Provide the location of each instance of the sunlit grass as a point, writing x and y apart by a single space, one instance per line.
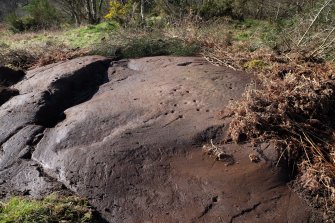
49 210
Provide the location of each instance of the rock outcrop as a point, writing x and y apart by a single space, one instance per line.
128 136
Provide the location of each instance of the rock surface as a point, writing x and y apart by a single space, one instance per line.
128 135
44 95
7 93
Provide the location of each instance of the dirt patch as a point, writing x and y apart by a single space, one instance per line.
242 192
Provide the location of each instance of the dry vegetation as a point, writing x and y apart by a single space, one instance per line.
292 104
294 108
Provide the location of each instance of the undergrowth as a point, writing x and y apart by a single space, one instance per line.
293 107
29 50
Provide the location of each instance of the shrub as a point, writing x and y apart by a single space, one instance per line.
118 11
216 8
41 15
20 24
313 32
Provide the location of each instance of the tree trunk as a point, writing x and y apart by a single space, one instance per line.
94 10
142 10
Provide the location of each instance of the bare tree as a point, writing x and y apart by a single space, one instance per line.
79 10
142 9
94 10
74 9
314 19
314 33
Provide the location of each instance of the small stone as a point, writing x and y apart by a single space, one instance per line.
254 158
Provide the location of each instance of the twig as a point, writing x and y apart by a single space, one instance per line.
324 42
312 23
220 61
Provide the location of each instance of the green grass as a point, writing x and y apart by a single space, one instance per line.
81 37
89 35
255 64
105 38
52 209
242 36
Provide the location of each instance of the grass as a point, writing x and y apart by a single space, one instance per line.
81 37
252 64
52 209
88 36
31 49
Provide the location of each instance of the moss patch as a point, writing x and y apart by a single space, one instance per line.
252 64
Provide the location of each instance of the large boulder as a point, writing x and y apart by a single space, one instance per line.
130 140
134 149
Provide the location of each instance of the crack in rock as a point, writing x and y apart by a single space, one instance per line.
209 207
11 135
245 211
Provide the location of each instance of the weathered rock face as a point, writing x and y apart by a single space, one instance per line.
7 93
44 96
132 145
